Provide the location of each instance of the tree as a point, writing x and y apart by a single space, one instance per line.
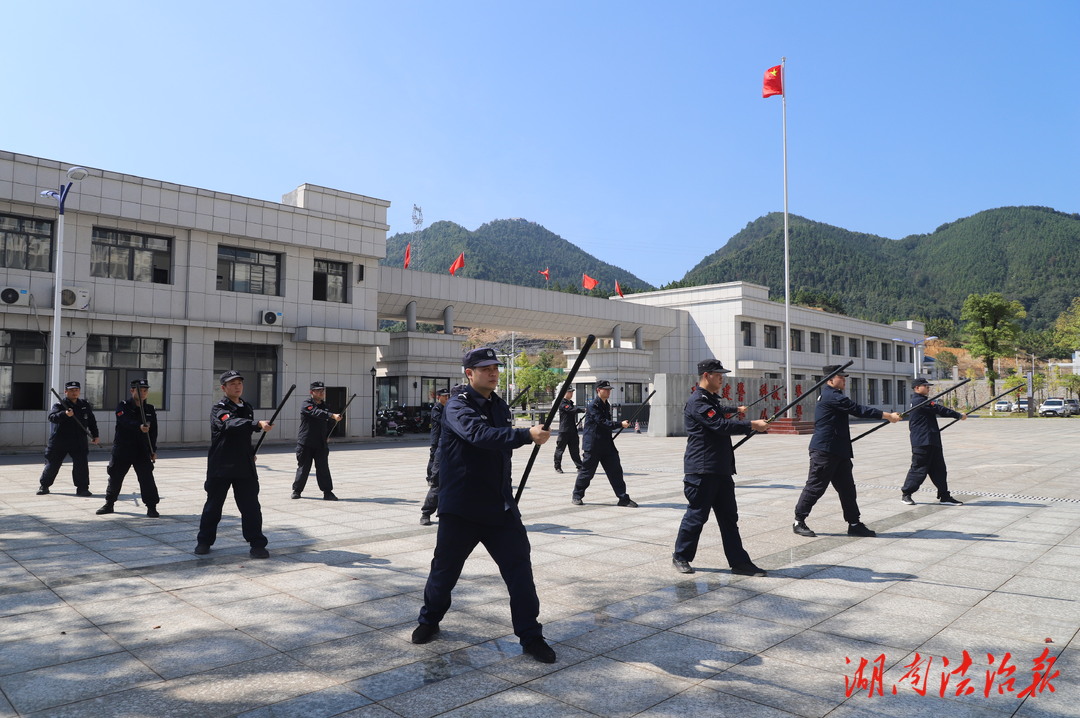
1067 328
541 376
1071 383
946 360
991 328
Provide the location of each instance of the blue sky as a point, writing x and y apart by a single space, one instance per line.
635 130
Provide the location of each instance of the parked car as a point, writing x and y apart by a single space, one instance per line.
1003 405
1021 406
1073 404
1054 406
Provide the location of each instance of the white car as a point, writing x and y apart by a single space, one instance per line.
1003 405
1054 407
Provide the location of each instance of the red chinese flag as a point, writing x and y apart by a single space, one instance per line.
459 263
546 273
774 82
588 282
408 254
618 289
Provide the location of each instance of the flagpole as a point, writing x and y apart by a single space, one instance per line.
787 254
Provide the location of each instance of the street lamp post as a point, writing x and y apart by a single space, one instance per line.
60 195
373 414
914 351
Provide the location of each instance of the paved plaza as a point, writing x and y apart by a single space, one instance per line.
114 616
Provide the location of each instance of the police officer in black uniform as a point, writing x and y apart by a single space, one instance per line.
431 501
568 433
231 462
708 466
926 454
134 446
71 420
312 443
476 505
830 454
599 448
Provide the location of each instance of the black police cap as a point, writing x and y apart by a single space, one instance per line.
713 366
229 375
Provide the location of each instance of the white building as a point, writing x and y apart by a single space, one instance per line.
176 284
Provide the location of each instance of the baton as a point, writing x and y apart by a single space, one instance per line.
74 416
797 399
521 395
276 412
902 415
1004 393
635 416
551 413
142 418
342 412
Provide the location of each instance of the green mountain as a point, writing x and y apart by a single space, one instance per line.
1031 254
512 251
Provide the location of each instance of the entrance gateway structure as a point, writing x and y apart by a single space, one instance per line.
175 284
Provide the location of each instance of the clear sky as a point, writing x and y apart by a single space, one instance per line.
635 130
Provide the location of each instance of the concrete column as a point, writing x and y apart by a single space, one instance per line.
616 336
639 339
410 317
448 319
577 344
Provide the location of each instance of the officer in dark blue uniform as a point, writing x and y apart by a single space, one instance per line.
72 420
476 505
568 433
830 454
312 443
231 462
431 501
927 457
134 446
708 465
599 448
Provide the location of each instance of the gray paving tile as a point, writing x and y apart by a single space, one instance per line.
735 631
43 688
331 701
702 701
606 687
674 654
445 694
200 653
518 701
54 649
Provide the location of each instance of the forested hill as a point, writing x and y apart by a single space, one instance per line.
1031 254
512 251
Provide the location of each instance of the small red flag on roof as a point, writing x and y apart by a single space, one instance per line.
459 263
588 282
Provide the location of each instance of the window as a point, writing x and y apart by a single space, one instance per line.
25 243
815 342
871 349
329 281
248 271
112 362
22 371
258 365
748 334
633 393
885 351
386 387
854 389
127 255
772 337
871 390
853 347
428 386
899 352
901 391
838 346
796 340
886 385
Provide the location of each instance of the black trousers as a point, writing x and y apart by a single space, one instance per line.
144 469
246 495
305 456
826 469
927 461
612 467
80 468
710 493
508 545
567 439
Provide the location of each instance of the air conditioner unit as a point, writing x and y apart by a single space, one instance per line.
75 298
14 296
271 317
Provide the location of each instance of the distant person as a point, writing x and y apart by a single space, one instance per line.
830 454
71 420
927 457
708 466
134 446
231 463
568 431
431 501
477 506
599 449
312 443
